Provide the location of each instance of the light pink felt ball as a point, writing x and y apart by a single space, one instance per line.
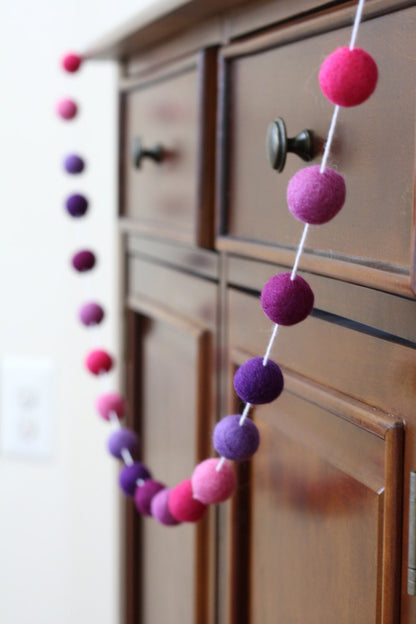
212 486
348 77
66 109
110 402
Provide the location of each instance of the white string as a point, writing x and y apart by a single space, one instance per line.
357 21
330 138
300 250
220 464
270 345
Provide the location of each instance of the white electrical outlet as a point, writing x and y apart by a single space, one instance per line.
26 418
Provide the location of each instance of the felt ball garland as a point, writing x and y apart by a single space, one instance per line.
315 195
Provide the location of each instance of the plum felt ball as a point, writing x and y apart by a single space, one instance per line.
314 197
83 260
66 109
129 476
76 205
110 402
210 485
286 301
98 361
256 383
74 164
91 314
123 439
144 494
160 510
71 62
348 77
182 504
234 441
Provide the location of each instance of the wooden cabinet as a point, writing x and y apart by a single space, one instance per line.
317 531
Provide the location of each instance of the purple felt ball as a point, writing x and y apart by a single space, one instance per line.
210 485
76 205
234 441
144 494
123 439
83 260
348 77
314 197
74 164
160 510
258 384
286 301
129 476
91 314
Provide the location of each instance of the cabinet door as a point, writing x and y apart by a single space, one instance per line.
315 527
171 386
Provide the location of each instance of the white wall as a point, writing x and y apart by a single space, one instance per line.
59 518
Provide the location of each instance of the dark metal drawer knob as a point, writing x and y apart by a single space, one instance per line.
278 144
155 153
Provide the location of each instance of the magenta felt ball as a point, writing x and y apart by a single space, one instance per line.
212 486
144 494
98 361
83 260
234 441
182 504
123 439
314 197
160 509
66 109
287 301
129 476
258 384
348 77
110 402
71 62
91 314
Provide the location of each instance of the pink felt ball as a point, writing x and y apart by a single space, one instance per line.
144 494
71 62
182 504
286 301
66 109
210 485
348 77
110 402
314 197
98 361
160 510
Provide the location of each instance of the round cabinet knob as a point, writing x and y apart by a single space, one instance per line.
278 144
155 153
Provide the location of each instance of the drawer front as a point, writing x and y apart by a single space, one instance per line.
371 240
171 198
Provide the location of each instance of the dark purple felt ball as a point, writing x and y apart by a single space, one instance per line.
83 260
234 441
287 301
76 205
160 509
74 164
123 439
144 494
91 314
258 384
129 476
314 197
348 77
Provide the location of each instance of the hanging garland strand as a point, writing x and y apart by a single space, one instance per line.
315 195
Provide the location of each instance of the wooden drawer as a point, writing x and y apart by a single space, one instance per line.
172 198
276 75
